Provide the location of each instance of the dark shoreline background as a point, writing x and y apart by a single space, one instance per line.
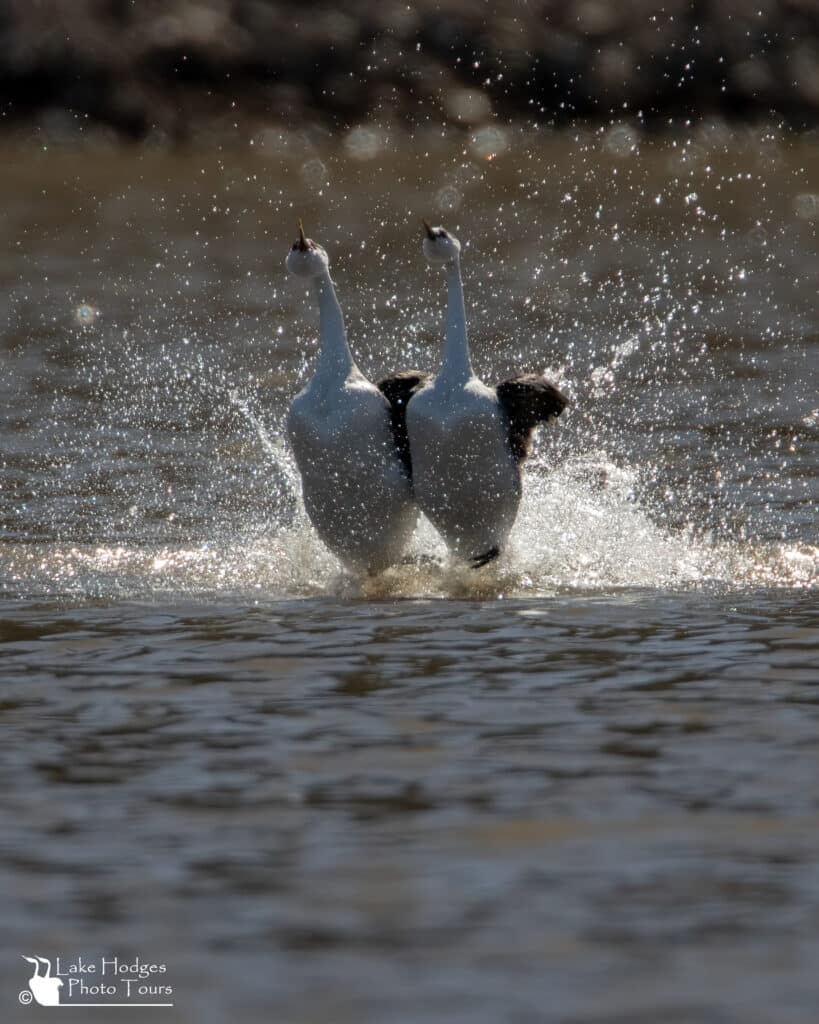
178 69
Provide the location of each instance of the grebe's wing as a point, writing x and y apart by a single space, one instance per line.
398 390
527 400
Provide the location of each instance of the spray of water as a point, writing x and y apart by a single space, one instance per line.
582 528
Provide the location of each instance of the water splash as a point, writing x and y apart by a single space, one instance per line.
580 529
588 521
280 459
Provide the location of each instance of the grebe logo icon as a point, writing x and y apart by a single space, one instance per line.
44 988
101 981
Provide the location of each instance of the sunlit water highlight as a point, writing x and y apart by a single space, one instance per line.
580 529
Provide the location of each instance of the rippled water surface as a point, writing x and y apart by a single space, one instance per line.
578 786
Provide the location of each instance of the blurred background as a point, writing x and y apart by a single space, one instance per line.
172 69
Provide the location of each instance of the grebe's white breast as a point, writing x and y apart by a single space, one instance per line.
466 479
356 493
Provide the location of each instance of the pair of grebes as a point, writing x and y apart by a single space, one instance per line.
370 456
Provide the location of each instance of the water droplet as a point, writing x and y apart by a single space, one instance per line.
621 140
488 142
314 173
448 199
86 315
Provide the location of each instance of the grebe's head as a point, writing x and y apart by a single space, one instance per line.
440 247
306 257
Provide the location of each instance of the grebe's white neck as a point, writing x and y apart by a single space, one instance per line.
456 367
335 359
307 259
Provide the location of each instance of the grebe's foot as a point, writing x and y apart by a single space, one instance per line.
479 561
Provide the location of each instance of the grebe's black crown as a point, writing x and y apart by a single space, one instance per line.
433 233
302 243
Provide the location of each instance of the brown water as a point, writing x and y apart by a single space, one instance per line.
577 787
